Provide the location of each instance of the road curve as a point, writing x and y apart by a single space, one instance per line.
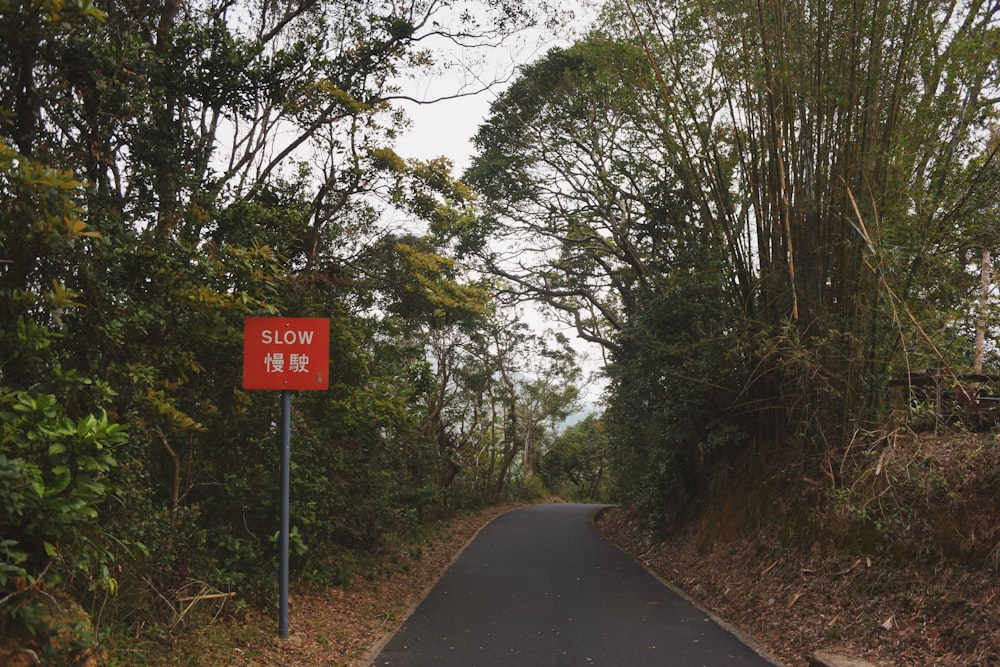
538 586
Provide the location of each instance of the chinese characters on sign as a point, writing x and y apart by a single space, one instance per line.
286 353
297 363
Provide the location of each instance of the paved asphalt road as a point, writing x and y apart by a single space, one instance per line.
538 586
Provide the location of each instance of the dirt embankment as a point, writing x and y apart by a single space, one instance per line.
891 555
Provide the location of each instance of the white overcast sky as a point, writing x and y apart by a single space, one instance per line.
446 128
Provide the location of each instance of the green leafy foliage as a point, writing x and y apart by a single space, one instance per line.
57 444
57 474
674 420
575 465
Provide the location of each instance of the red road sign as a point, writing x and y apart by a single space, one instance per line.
286 353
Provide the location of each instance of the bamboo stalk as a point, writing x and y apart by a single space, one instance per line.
206 596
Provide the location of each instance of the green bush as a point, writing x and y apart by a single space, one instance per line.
55 475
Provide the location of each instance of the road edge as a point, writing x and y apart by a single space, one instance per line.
368 659
742 636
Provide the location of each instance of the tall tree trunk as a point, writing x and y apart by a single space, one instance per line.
984 297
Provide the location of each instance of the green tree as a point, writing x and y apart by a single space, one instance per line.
575 464
501 393
59 448
829 145
565 160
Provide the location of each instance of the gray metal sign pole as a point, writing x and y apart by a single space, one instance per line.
268 343
286 465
